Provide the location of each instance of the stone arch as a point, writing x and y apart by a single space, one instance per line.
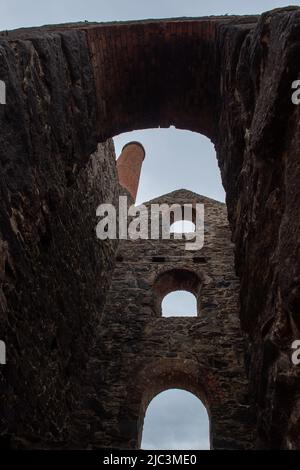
176 418
184 67
168 373
174 60
174 280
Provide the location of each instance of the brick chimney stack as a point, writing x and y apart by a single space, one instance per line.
129 165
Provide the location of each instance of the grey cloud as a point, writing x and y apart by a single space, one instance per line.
176 419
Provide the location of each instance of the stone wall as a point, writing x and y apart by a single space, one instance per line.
259 159
139 353
70 86
52 304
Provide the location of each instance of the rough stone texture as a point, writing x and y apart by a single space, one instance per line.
258 156
73 85
48 315
138 353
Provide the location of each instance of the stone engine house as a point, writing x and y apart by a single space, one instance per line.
87 347
202 354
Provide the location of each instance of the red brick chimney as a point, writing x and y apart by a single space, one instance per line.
129 165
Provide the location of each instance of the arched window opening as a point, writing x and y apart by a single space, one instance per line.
169 166
185 285
176 419
179 304
183 226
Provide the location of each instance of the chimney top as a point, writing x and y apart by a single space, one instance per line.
135 142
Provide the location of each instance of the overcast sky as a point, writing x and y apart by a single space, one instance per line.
18 13
180 421
174 159
179 303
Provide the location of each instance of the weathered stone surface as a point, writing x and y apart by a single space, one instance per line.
73 85
49 314
258 155
140 354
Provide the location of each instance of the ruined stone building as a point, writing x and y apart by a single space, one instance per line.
87 346
150 354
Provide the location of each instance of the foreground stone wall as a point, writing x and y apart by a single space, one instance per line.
258 151
52 304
